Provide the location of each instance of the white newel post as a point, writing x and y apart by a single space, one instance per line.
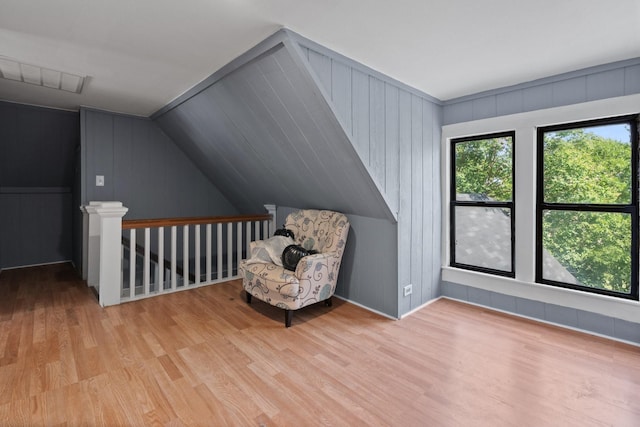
271 209
110 214
90 244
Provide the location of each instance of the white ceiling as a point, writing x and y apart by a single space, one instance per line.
141 54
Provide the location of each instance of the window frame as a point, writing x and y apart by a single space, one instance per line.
630 209
482 203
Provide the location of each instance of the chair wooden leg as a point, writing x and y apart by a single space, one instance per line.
328 302
288 315
248 297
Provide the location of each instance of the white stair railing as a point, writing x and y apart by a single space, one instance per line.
128 260
190 242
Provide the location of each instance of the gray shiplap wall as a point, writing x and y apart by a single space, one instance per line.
143 169
396 133
263 135
37 163
292 123
262 130
589 84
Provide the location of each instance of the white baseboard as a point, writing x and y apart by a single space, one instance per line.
365 307
409 313
37 265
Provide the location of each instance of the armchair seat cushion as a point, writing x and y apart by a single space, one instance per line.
272 278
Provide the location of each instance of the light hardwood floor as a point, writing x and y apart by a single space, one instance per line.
205 357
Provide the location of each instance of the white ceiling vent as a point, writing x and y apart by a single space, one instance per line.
14 70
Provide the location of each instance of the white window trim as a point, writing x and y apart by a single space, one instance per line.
525 125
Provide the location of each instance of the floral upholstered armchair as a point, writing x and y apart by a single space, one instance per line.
315 276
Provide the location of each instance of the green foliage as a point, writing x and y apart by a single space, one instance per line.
483 167
593 246
579 167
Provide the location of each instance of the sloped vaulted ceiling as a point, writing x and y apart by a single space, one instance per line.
262 131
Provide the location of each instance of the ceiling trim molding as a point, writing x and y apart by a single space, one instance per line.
546 80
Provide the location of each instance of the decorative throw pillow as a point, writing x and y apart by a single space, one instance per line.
291 255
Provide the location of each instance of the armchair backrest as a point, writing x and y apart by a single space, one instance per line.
324 231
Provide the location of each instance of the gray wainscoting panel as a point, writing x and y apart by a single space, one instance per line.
561 315
624 330
589 84
144 170
553 313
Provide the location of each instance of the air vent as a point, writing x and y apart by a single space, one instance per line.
14 70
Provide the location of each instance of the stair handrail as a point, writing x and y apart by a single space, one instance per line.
168 222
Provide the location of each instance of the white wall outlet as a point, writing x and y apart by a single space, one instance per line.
408 290
99 180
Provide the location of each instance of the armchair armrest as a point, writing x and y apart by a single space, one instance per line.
319 267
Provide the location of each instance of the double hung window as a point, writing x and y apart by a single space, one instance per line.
482 203
587 206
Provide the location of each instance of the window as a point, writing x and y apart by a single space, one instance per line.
482 203
587 206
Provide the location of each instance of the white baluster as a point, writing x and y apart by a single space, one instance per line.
155 277
185 255
147 258
229 249
132 263
265 230
196 239
208 253
248 239
219 275
239 244
174 256
160 281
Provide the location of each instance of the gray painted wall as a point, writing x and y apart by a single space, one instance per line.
143 169
36 226
264 135
589 84
37 164
368 274
396 132
601 82
294 124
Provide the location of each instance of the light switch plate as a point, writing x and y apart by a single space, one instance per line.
99 180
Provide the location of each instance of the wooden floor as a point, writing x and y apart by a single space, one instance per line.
205 357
